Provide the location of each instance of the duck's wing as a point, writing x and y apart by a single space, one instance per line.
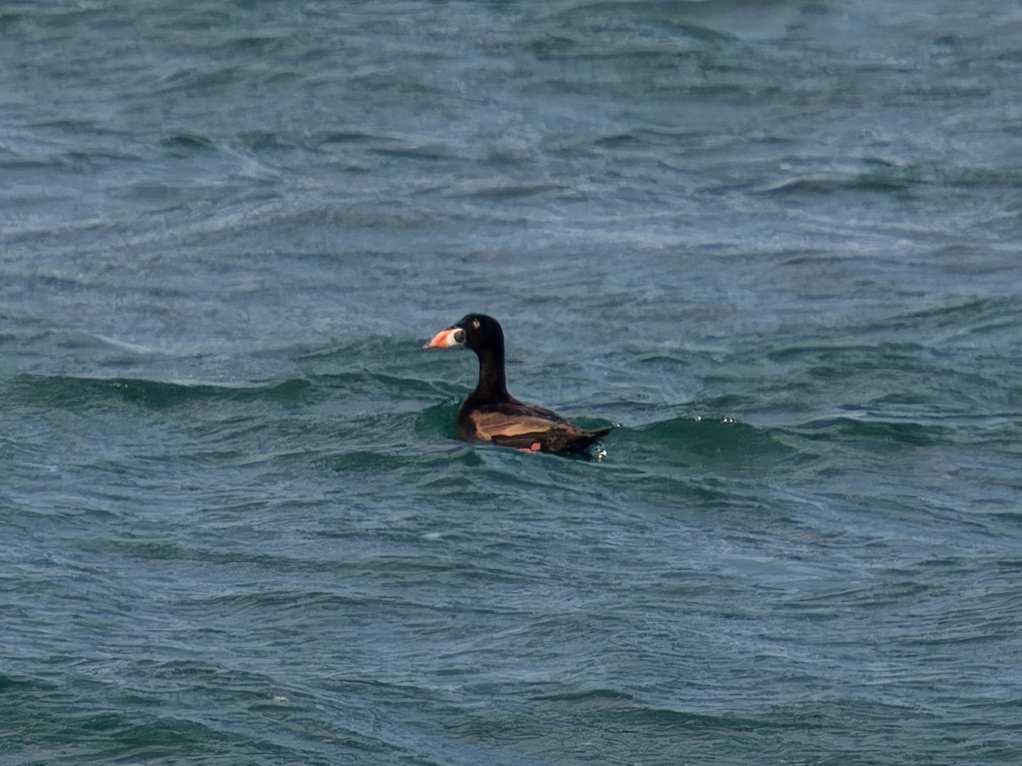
526 427
509 419
554 440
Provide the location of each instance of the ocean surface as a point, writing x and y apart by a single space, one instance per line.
777 244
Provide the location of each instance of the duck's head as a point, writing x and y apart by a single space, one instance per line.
477 332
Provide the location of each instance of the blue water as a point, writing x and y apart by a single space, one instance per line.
776 243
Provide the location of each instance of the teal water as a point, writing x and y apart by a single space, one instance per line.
777 244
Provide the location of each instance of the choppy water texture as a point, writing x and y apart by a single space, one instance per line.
777 243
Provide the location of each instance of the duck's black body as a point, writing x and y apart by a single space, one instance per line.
490 413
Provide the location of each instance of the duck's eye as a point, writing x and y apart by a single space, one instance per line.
459 336
475 324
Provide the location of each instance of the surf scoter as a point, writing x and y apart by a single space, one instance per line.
490 413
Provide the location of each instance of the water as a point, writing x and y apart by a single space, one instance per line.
777 243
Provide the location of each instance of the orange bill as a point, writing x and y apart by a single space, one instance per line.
452 336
